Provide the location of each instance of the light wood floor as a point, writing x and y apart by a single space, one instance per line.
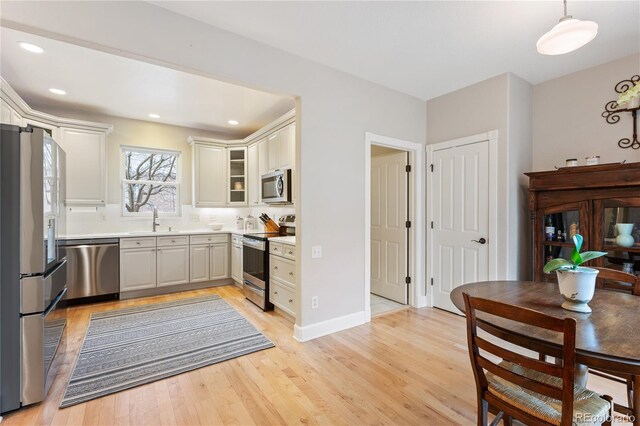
409 367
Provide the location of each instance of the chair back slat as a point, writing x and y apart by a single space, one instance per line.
522 381
516 358
566 372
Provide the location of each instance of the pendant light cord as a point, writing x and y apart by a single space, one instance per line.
565 7
565 16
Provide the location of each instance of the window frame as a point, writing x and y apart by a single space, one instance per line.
124 181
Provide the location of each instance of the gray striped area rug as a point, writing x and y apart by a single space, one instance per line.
130 347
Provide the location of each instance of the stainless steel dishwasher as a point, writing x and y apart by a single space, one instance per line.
93 269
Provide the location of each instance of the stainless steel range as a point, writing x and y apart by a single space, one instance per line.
33 270
255 269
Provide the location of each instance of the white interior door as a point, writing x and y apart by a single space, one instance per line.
460 197
388 230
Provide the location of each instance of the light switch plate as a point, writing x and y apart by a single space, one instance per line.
194 218
316 252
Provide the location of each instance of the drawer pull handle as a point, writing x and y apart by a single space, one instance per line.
138 242
290 300
275 267
275 249
275 292
291 273
290 252
173 241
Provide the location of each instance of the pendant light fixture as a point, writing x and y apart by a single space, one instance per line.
568 35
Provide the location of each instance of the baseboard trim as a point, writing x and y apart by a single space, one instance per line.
319 329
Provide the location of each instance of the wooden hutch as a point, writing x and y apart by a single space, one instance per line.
589 200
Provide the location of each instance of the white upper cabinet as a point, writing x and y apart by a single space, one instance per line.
273 146
253 174
286 147
86 152
263 157
209 175
237 175
8 115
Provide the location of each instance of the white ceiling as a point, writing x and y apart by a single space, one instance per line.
426 48
109 84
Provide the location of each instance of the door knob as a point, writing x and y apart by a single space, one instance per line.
481 241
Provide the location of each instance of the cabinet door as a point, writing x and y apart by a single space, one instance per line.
237 175
617 232
86 165
286 146
554 232
263 157
137 269
173 265
8 115
253 174
199 263
219 261
236 263
273 144
209 175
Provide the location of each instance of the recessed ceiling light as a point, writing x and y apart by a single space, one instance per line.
30 47
233 122
57 91
154 116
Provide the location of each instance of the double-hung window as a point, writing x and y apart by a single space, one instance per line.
150 178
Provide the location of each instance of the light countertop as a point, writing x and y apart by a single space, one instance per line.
286 240
138 234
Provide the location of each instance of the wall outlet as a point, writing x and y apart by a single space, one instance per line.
316 252
194 218
314 302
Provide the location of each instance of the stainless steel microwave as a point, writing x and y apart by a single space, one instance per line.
276 187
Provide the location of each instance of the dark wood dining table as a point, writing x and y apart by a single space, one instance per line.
607 338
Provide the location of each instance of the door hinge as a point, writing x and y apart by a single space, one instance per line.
407 280
431 281
407 224
431 168
431 224
407 168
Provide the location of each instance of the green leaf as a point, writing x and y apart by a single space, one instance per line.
575 255
589 255
555 264
577 241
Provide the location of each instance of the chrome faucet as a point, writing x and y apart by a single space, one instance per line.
155 218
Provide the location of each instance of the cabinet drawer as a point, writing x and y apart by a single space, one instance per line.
182 240
283 297
275 248
209 239
289 251
236 239
283 269
145 242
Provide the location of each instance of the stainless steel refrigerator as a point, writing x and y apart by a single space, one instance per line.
32 268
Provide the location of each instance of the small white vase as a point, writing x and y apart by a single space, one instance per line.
577 287
624 238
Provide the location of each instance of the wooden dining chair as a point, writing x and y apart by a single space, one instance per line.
522 388
612 279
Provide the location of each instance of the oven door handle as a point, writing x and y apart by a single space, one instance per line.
254 288
53 304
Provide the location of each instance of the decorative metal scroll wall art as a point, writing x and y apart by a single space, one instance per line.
612 113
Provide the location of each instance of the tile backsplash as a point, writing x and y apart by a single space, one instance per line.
103 220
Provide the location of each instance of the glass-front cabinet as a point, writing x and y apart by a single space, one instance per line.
601 203
618 232
555 233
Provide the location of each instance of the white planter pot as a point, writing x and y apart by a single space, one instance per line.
577 287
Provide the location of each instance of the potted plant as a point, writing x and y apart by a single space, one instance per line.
631 97
577 283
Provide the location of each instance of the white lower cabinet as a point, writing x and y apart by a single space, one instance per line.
282 277
236 259
173 265
199 259
137 269
219 261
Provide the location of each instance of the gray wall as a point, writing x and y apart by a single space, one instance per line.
567 121
334 112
